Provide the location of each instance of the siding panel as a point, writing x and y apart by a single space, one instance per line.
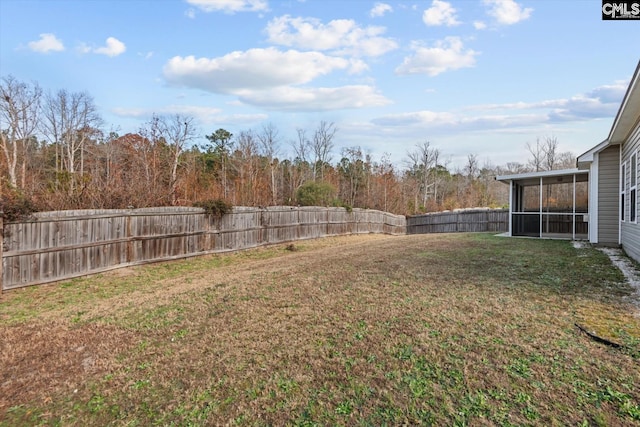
630 232
608 195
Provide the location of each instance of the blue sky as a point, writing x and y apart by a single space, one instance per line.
481 77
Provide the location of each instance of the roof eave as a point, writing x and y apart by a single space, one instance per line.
585 159
629 112
542 174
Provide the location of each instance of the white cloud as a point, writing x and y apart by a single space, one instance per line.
582 108
507 12
445 55
273 79
599 103
169 109
190 13
440 13
315 99
479 25
602 102
416 117
114 47
342 36
379 9
230 6
436 121
612 93
255 69
48 42
83 48
204 115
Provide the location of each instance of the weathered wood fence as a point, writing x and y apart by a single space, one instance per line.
471 220
61 245
64 244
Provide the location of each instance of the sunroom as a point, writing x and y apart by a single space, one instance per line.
549 204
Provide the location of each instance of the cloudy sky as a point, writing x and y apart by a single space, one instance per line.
481 77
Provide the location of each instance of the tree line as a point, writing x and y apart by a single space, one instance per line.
57 154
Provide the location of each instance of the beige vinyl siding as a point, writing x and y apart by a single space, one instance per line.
630 232
609 195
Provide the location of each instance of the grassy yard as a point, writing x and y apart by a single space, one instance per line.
455 329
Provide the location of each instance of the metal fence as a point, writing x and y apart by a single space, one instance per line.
60 245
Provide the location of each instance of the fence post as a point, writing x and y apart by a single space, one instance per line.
128 237
262 232
326 220
1 248
207 232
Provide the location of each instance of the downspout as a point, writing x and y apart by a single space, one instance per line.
594 199
620 189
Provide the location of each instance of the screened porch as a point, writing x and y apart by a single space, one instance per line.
550 204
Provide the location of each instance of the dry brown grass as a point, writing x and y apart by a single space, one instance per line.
366 330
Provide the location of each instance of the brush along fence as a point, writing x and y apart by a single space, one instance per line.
61 245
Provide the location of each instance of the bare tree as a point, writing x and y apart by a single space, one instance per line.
147 148
385 172
545 155
322 144
472 168
19 116
269 139
512 168
302 145
353 168
550 150
566 160
422 162
246 153
302 148
179 130
69 120
537 160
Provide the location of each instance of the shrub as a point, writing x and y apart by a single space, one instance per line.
341 204
217 208
316 194
14 205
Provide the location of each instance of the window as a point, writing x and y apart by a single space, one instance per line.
623 183
633 205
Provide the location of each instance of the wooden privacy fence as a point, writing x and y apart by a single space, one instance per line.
472 220
60 245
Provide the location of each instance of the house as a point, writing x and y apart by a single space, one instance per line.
613 172
597 201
